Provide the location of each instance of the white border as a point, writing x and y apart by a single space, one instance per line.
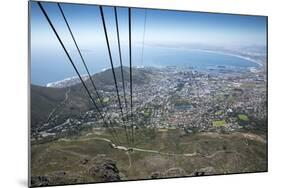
14 79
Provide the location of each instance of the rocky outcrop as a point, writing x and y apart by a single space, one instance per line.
38 181
105 170
156 175
174 172
55 178
204 171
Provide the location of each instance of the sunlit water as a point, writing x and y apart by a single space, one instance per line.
46 68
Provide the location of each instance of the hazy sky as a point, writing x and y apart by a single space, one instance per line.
162 27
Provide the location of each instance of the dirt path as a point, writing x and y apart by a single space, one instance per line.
128 150
123 148
130 161
61 104
73 153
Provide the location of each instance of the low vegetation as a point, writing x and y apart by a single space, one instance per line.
167 151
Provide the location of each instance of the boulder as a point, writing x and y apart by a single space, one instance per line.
38 181
174 172
105 170
205 171
155 175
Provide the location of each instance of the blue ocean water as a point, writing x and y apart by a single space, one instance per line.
194 58
46 68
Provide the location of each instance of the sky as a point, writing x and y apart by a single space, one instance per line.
162 27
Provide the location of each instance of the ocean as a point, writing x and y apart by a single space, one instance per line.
46 68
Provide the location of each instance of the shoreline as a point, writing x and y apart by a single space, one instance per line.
181 48
229 54
220 52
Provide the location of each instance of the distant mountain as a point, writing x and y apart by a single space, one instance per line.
139 76
69 100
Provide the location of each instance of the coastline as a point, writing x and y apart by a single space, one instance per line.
57 84
228 54
215 52
180 48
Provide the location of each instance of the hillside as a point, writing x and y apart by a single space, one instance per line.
105 78
43 101
167 154
47 102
